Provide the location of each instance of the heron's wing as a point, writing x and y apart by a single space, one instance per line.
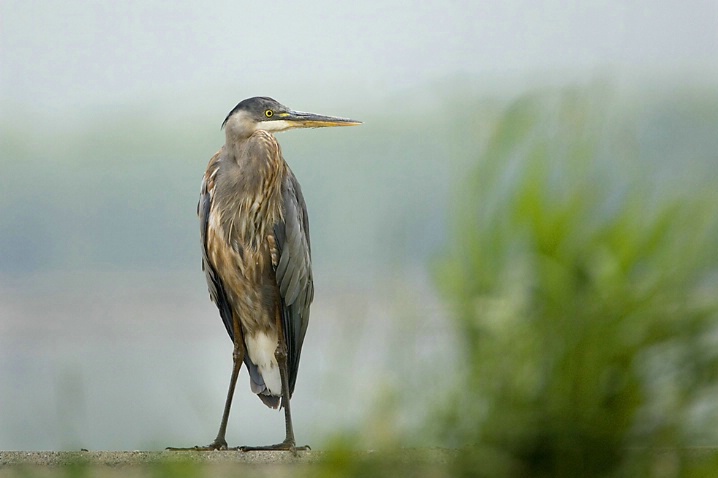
294 271
214 283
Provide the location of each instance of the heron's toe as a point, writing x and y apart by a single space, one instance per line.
284 446
217 444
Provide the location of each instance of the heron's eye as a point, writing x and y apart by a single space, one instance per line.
269 113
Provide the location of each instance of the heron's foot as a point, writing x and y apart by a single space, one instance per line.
217 444
284 446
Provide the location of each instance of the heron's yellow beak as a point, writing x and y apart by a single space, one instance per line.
299 119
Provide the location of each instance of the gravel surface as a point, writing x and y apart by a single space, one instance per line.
112 464
121 458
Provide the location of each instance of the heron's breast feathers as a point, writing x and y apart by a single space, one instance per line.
245 203
248 278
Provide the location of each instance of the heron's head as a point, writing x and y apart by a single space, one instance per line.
268 114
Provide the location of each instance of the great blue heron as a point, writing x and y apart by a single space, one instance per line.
256 253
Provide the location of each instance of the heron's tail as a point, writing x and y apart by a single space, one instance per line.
256 383
270 400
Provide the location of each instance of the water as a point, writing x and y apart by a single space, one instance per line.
125 361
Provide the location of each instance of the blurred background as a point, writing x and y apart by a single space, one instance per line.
532 181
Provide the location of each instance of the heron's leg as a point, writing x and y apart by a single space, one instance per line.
289 428
289 443
220 443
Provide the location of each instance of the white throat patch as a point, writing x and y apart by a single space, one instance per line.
274 126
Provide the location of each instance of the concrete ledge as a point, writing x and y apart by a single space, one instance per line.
127 458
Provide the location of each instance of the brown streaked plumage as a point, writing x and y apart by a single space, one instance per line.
256 253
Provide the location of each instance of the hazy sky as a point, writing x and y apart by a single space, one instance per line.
57 56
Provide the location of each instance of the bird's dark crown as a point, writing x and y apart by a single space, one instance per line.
256 107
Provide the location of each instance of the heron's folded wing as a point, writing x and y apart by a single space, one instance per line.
294 271
214 283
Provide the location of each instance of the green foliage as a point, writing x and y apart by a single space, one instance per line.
178 469
583 300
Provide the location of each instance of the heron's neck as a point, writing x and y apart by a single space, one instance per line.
238 128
